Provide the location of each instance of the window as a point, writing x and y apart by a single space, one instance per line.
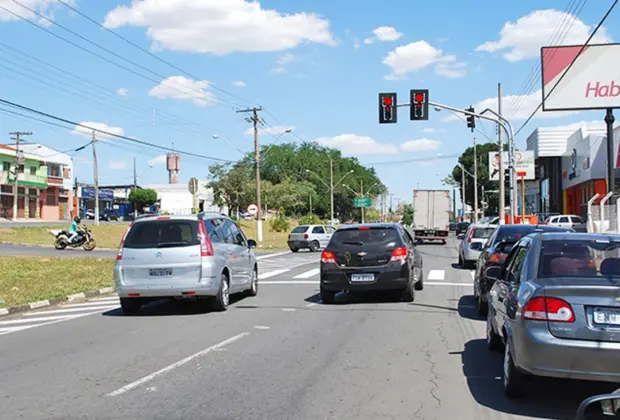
329 229
6 166
227 234
516 266
483 233
564 219
53 170
33 170
213 230
163 234
578 258
238 237
575 219
375 236
50 199
318 229
300 229
66 173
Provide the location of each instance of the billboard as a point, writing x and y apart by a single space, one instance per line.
593 81
524 162
88 193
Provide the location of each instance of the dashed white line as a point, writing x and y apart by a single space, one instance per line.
272 273
308 274
42 319
69 310
290 282
87 304
316 283
277 254
436 275
176 365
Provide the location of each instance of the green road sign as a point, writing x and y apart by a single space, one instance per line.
362 202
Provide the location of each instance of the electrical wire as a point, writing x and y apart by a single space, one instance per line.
598 26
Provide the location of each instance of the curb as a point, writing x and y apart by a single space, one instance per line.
47 246
50 302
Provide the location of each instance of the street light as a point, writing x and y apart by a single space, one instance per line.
217 136
331 185
287 131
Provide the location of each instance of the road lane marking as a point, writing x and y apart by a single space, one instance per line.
62 311
436 275
103 299
87 304
443 283
316 283
272 273
308 274
277 254
42 319
62 319
473 274
176 365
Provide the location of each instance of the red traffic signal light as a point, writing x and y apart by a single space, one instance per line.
387 108
419 104
419 97
387 101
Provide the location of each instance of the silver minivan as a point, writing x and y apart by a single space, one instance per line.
204 256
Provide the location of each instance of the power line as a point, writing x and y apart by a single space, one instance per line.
598 26
107 133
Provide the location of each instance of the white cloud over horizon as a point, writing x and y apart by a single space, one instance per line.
85 129
418 55
383 34
182 88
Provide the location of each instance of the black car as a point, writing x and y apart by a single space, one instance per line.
452 227
371 257
494 253
461 228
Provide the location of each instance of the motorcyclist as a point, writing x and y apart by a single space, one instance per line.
74 229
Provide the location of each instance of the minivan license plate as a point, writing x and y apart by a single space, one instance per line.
160 272
362 278
606 316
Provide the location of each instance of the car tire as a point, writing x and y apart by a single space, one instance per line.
314 246
253 290
460 261
443 242
294 249
419 285
481 307
222 299
513 379
494 341
328 297
131 306
409 292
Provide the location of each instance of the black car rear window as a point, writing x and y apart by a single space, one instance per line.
163 234
462 225
379 235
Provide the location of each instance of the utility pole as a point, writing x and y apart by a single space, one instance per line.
255 120
362 196
331 190
483 200
17 137
463 191
135 186
475 182
96 179
502 191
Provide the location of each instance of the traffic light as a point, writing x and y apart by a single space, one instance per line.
419 104
471 120
387 108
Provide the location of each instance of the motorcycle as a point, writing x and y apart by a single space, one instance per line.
600 406
84 239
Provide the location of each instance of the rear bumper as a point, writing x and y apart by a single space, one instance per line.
299 244
390 277
207 286
470 255
538 352
430 234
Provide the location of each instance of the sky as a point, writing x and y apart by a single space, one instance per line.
316 68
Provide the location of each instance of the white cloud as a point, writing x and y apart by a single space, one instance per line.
239 83
522 39
45 7
220 27
122 92
182 88
355 145
275 130
287 59
278 70
420 145
157 160
432 130
418 55
356 44
524 104
83 160
577 125
117 164
85 129
384 34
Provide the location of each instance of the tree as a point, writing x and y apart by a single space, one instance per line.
408 214
142 197
467 160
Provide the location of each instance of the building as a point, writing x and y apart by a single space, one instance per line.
45 184
176 198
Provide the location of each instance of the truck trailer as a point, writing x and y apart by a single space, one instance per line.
431 215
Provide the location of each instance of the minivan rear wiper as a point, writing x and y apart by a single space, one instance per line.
360 243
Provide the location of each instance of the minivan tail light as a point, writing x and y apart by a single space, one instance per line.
548 309
119 255
206 247
328 257
400 254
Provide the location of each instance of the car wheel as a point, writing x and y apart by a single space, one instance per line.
443 242
294 249
253 290
409 292
327 296
481 307
419 285
131 306
494 341
223 295
514 386
314 246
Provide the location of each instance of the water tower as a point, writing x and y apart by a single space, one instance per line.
173 163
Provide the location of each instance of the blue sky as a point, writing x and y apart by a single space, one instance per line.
316 66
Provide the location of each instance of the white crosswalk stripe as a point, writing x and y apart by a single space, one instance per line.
308 274
436 275
60 314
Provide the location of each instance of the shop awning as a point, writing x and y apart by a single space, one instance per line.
33 184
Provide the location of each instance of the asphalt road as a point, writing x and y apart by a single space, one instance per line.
280 355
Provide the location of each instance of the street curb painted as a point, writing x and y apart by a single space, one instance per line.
48 246
50 302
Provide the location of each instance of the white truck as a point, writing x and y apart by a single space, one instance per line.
431 215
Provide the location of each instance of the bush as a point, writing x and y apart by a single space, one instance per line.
310 219
279 224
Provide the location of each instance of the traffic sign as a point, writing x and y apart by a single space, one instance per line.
362 202
253 209
192 185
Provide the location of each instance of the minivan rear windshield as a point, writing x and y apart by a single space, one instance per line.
163 234
375 236
483 233
300 229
